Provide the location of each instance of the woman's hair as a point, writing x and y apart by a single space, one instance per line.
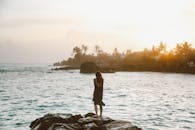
98 75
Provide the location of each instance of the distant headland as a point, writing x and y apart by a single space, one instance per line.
180 59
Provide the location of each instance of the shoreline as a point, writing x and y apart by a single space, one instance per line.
134 69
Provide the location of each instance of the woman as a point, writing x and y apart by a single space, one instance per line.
98 92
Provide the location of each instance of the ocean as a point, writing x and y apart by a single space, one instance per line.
150 100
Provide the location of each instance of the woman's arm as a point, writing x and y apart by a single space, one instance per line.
102 82
102 89
94 81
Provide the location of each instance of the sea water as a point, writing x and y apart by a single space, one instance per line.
152 101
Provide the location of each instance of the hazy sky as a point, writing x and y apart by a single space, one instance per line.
47 30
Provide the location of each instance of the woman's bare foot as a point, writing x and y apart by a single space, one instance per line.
96 116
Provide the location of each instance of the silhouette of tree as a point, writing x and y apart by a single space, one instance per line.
183 52
181 58
98 50
128 52
162 48
77 51
84 49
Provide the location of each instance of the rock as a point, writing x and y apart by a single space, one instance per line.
121 125
62 126
48 120
77 122
89 114
88 67
91 67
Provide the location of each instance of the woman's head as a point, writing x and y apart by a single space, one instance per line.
98 75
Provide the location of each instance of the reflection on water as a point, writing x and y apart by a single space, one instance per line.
150 100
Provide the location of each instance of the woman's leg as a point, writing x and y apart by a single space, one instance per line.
95 107
101 110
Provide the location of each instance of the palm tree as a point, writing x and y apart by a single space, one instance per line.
77 51
98 50
84 48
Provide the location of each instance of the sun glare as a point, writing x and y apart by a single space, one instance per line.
122 24
144 22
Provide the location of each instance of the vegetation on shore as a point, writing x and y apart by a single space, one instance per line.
158 58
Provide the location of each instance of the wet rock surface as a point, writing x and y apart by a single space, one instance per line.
89 121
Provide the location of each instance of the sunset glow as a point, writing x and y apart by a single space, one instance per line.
47 30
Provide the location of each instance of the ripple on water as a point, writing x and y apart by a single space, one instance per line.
1 91
150 100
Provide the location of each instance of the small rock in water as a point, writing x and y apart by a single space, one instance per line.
78 122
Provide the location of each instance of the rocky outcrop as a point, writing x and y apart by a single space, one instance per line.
88 67
79 122
91 67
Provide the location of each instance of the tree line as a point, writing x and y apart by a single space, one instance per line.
157 58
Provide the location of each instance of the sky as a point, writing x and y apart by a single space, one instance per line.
45 31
